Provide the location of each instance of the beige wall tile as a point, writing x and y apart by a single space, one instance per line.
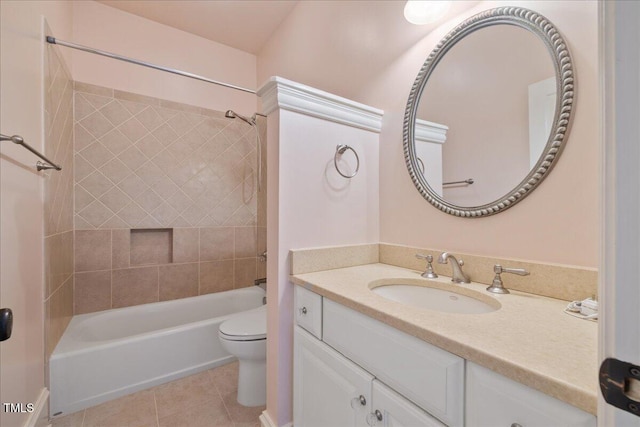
244 272
60 313
128 96
217 243
178 281
89 88
186 245
92 250
246 242
120 241
92 292
153 246
216 276
134 286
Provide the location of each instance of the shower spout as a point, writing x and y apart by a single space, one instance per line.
230 114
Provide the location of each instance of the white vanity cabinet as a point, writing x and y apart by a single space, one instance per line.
494 400
352 370
332 391
329 389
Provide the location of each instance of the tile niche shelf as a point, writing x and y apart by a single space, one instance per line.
151 246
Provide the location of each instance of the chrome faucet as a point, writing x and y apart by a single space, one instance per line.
457 275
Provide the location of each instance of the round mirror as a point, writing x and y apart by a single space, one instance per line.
489 112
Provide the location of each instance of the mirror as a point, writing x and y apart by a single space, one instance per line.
489 112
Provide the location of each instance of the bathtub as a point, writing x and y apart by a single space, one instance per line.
105 355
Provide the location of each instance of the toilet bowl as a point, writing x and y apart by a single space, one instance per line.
244 335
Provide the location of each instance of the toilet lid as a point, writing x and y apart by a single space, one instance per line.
247 326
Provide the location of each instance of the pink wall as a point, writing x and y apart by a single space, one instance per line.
102 27
21 205
558 223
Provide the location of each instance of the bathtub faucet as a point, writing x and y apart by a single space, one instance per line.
261 282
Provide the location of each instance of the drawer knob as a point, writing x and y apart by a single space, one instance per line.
374 417
303 310
516 425
360 400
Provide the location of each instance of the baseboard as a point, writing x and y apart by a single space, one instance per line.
266 421
40 415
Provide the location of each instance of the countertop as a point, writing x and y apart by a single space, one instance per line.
528 339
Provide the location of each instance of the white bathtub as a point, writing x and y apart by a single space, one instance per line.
105 355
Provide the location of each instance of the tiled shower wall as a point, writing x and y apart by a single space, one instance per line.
166 204
58 198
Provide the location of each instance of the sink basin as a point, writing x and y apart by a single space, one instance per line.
437 299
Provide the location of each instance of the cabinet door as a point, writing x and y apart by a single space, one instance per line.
494 400
327 386
392 410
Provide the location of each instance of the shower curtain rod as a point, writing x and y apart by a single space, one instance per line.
53 40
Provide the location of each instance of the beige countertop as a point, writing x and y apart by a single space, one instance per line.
528 339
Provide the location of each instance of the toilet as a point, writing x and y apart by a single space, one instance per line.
244 335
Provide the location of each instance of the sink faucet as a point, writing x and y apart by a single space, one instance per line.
457 276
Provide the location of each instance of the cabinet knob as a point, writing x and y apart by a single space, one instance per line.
374 417
303 310
360 400
516 425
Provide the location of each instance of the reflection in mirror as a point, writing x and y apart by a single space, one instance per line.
489 112
480 90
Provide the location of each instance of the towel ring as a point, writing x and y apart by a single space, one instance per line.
340 149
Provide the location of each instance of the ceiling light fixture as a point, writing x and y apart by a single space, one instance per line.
420 12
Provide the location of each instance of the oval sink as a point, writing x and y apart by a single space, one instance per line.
436 299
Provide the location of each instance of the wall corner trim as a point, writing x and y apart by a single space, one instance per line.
279 93
426 131
40 409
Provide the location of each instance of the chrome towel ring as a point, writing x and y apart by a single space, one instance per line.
340 149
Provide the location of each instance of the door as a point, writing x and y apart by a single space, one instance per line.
392 410
619 285
328 389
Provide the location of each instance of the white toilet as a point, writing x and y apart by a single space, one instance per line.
245 336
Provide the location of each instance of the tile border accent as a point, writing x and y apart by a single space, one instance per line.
576 282
288 95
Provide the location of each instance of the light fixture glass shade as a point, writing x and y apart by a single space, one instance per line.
422 12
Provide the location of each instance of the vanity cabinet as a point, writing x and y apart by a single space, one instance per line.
493 400
331 390
352 370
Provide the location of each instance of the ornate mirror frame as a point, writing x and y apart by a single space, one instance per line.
564 73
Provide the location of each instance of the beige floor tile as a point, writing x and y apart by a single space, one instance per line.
239 413
225 378
183 394
71 420
211 414
134 410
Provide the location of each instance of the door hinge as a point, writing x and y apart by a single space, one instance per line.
6 323
615 379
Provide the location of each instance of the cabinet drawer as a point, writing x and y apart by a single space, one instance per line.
308 311
430 377
494 400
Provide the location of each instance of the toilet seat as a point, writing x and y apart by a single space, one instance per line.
248 326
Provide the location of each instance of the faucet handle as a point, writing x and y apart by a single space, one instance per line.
428 273
519 271
497 287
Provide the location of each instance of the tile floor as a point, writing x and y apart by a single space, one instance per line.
207 399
